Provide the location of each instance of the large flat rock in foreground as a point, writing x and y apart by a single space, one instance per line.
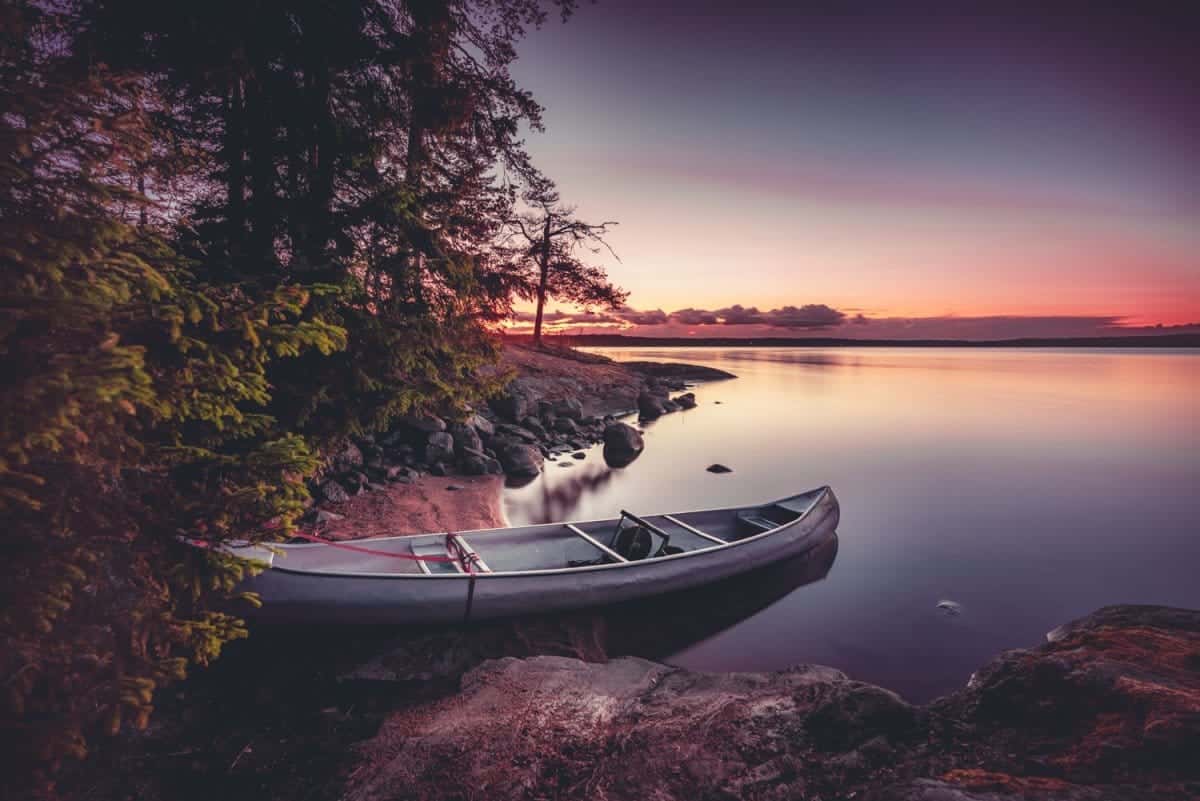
1108 709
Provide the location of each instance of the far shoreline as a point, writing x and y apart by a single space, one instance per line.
1157 341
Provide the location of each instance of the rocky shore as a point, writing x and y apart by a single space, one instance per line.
1107 709
557 403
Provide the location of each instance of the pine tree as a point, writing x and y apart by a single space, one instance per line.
549 238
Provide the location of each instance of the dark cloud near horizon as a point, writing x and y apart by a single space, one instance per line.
813 315
741 321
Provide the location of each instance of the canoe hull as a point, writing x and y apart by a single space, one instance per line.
414 599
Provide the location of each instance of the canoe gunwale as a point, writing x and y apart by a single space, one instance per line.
823 493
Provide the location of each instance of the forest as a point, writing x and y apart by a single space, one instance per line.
232 235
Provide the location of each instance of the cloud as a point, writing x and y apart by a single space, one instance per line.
740 315
822 320
813 315
694 317
635 317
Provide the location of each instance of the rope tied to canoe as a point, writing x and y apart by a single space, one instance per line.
375 552
464 556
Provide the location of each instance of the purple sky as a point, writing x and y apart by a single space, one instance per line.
926 169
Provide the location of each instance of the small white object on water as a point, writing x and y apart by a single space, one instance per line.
951 608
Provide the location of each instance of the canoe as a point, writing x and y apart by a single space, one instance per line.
508 572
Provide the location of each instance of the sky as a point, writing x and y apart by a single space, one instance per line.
879 169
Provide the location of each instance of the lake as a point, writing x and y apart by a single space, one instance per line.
1029 486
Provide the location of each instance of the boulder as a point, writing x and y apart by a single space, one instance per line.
565 425
438 469
426 424
671 406
687 400
622 444
333 492
516 402
568 407
535 425
484 426
718 468
516 432
325 517
578 455
439 447
347 459
473 462
466 438
853 713
521 460
650 406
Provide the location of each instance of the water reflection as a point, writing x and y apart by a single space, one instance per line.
556 500
651 628
1031 486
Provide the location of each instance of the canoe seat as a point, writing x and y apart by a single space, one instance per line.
756 521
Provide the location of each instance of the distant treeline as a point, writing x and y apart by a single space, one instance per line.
621 340
231 234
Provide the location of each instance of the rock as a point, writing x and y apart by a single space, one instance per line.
535 426
515 403
397 472
347 459
728 735
521 460
565 425
516 432
718 468
483 425
466 438
569 408
680 372
373 487
670 406
325 517
687 400
622 444
354 482
439 447
950 608
438 469
650 406
454 487
1108 693
333 492
854 713
476 463
578 455
566 464
426 424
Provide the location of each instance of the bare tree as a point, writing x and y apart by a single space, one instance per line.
550 239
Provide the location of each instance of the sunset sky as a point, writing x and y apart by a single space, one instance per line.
892 169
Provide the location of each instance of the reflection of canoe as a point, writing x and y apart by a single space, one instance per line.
682 619
439 578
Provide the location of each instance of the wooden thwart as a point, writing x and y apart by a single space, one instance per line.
604 548
695 530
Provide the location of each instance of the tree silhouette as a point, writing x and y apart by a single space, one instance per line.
550 238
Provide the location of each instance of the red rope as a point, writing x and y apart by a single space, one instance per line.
371 551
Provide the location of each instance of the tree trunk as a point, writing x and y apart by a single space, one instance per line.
543 281
235 176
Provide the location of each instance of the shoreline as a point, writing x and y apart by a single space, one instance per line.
1105 709
431 475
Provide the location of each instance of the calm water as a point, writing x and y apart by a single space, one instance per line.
1029 486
